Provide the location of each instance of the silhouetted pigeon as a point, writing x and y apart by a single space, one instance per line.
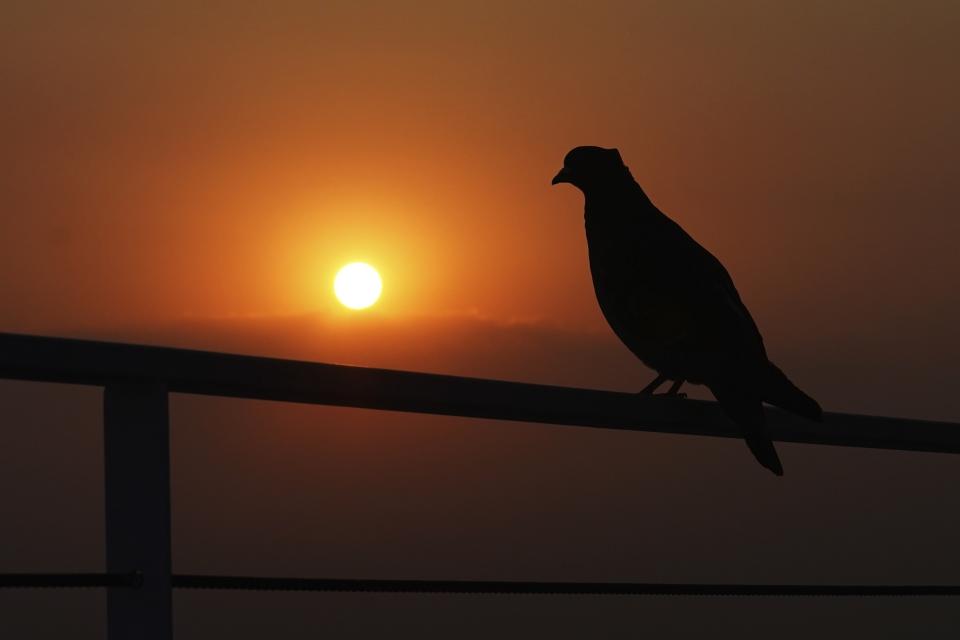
673 304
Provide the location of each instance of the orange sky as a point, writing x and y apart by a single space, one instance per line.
194 174
196 163
180 161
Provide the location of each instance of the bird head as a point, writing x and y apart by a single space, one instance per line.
587 167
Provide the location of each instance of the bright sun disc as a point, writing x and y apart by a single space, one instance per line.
357 285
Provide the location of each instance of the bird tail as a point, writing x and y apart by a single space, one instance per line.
780 392
747 411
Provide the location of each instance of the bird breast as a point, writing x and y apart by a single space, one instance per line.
634 295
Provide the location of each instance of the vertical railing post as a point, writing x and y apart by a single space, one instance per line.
137 476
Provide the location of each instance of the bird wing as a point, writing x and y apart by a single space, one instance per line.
701 285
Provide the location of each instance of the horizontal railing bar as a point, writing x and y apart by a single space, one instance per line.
64 360
132 579
556 588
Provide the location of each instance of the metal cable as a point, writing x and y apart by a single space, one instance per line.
131 580
556 588
134 579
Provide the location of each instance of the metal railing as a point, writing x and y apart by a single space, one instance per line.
137 380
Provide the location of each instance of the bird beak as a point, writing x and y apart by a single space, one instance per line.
562 176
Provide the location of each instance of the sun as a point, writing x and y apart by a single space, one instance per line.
357 285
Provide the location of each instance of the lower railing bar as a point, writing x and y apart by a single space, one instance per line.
132 579
572 588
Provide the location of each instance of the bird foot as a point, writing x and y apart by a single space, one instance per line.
674 389
681 395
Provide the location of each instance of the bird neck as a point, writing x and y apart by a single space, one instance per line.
613 196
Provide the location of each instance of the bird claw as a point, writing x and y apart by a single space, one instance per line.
680 395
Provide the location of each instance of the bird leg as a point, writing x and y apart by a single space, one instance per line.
674 389
650 388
